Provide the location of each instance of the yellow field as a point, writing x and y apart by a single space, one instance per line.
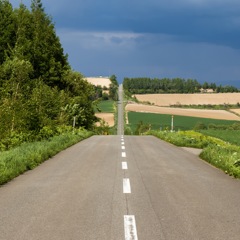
190 99
99 81
107 117
202 113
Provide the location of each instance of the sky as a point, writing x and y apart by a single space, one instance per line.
197 39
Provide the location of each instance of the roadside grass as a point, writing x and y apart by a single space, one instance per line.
163 121
29 155
106 106
217 152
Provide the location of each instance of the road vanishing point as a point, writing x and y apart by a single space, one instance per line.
121 188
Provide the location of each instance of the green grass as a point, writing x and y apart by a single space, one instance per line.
29 155
231 136
163 121
106 106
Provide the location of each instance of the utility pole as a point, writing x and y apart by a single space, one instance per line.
172 124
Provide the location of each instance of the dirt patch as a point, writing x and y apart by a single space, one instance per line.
107 117
190 99
214 114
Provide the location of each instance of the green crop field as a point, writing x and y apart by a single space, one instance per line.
231 136
106 106
163 121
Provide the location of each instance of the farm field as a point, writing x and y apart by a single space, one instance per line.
163 121
106 106
231 136
107 112
190 99
107 117
201 113
99 81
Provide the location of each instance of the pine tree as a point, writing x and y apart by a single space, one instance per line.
48 59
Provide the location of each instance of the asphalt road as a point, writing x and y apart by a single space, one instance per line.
121 187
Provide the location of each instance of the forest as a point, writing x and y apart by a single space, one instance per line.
39 92
167 85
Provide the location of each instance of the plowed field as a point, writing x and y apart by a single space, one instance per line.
214 114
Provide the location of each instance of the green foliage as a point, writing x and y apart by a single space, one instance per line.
113 89
7 29
103 128
38 90
142 128
215 151
166 85
29 155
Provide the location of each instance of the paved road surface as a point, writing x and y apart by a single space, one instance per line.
121 187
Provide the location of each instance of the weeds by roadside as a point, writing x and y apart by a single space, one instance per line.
29 155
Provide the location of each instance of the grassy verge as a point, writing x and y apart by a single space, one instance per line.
217 152
29 155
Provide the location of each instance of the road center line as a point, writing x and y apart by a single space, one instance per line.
126 185
124 166
123 154
122 143
123 147
130 227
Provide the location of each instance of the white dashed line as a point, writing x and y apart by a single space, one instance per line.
124 166
130 227
123 154
123 147
122 143
126 185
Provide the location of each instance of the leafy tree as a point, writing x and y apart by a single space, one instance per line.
7 29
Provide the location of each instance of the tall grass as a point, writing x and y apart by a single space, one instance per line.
29 155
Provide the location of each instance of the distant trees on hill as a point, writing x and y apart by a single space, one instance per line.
105 93
166 85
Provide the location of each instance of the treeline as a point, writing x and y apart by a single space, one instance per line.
111 93
175 85
39 92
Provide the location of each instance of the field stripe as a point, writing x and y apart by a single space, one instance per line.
130 227
126 185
